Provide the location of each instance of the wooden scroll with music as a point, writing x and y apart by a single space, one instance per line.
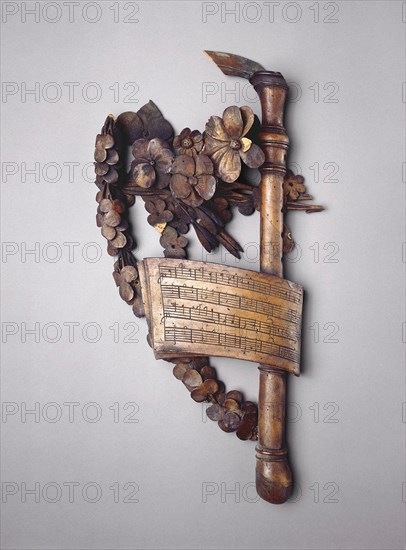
199 308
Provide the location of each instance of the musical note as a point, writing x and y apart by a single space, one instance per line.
226 279
209 309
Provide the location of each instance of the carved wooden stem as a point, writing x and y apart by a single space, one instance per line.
273 475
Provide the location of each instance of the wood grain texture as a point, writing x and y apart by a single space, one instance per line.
201 308
273 474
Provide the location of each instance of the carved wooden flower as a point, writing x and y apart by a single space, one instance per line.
202 385
148 123
127 280
226 144
192 179
151 165
113 226
188 143
158 212
173 244
104 142
105 155
293 186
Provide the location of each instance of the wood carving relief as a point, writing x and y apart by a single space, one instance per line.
197 180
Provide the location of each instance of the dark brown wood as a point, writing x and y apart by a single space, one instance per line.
273 474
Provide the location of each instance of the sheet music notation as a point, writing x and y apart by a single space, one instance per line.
199 308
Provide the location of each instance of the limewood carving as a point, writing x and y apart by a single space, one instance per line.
195 309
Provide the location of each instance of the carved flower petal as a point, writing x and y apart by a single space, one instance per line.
166 216
138 307
129 273
212 145
248 119
230 166
100 154
184 165
216 158
162 180
184 133
180 186
198 146
189 152
215 412
206 186
194 199
210 386
126 292
216 129
163 160
254 157
104 140
112 156
150 207
199 394
130 125
155 146
160 205
143 175
101 168
233 122
140 149
246 144
168 237
182 242
203 165
196 136
112 218
111 176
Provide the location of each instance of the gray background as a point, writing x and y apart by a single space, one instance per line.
194 483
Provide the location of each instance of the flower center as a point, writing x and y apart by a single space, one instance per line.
235 144
152 162
193 180
187 143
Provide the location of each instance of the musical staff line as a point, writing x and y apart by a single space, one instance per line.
236 281
229 300
197 336
205 315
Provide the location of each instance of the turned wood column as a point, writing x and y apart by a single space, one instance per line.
273 474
